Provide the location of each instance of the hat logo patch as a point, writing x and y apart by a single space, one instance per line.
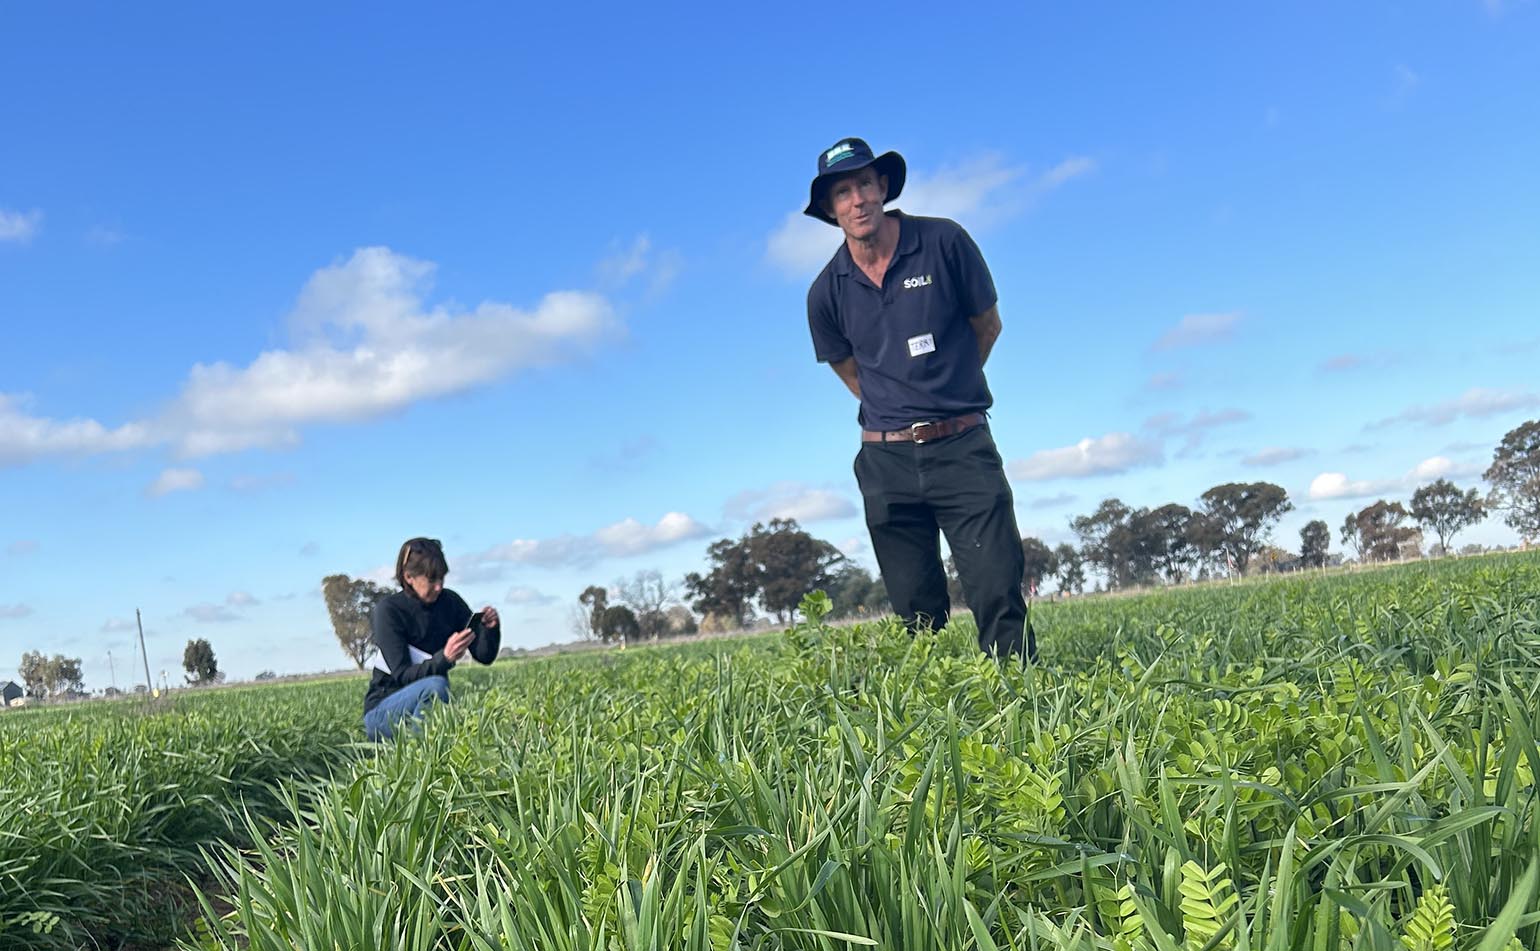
839 152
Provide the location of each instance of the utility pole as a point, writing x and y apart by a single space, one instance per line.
148 684
113 672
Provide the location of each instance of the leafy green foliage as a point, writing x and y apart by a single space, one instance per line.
1208 901
1431 927
1309 762
1443 509
1515 478
199 662
44 676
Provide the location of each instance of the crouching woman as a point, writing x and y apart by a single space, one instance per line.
420 632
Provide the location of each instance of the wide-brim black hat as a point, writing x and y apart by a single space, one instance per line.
850 155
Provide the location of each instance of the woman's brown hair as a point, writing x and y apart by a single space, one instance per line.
421 556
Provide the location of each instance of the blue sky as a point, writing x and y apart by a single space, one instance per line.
281 287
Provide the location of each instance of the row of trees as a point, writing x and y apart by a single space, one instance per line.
768 569
57 677
1231 527
1138 546
1230 534
50 677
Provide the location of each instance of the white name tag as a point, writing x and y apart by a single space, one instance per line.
925 343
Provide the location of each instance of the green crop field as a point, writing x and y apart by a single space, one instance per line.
1330 762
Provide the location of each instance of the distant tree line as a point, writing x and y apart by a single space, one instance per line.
50 677
766 571
57 677
1228 533
1230 530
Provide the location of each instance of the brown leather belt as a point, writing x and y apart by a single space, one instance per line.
926 431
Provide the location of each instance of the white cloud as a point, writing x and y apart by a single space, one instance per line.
365 345
309 548
240 599
117 625
1195 430
1474 403
1195 329
22 546
856 547
19 226
621 539
1065 171
1052 501
789 500
1441 467
175 480
370 347
210 614
1275 455
1163 381
1336 485
13 612
959 191
981 192
625 263
630 537
1105 455
24 437
526 595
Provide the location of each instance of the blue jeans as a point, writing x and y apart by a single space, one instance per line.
408 703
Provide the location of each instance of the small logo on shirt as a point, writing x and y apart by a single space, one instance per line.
910 283
923 344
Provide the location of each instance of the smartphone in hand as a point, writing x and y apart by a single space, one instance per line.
477 625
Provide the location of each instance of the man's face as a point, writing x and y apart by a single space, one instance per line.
855 202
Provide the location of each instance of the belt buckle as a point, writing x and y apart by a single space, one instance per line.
914 432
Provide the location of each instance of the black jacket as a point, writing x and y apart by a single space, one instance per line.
402 621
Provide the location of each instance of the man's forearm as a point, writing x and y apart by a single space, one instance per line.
986 327
846 371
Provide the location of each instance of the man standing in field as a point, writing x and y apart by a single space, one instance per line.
905 313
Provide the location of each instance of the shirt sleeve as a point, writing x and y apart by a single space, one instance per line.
975 286
486 645
390 637
829 342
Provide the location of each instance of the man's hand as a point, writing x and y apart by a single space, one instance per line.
489 616
459 643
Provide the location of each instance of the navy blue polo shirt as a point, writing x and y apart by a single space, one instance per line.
917 357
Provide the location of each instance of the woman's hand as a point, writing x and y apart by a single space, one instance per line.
459 642
489 615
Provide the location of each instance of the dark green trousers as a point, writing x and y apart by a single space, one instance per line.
955 485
